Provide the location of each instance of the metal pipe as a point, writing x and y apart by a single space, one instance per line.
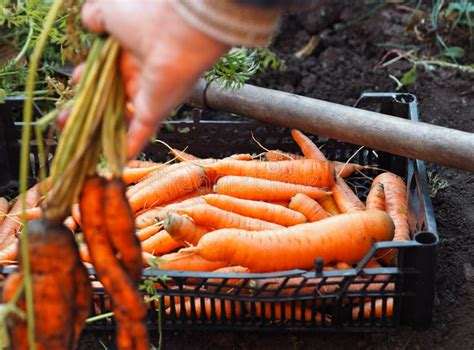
379 131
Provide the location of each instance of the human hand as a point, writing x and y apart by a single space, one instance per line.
167 56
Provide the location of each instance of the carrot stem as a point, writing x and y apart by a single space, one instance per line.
24 165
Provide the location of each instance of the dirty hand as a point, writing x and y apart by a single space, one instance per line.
169 53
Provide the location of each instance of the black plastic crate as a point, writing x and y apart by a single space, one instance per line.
300 300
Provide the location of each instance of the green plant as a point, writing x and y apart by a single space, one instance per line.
436 183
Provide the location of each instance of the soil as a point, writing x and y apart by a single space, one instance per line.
339 70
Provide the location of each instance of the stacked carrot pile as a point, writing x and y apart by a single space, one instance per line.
241 214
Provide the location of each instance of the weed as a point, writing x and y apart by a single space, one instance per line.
436 183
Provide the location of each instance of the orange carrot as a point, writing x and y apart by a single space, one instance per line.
282 311
328 203
396 202
278 156
182 156
309 149
183 229
265 190
160 243
346 169
214 283
346 237
346 200
165 189
376 198
146 257
232 269
135 163
218 308
282 203
31 214
307 206
148 231
306 172
131 175
366 309
207 215
256 209
242 156
4 207
183 261
8 253
201 191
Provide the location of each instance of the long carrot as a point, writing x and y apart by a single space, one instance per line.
346 200
165 189
183 229
265 190
4 207
366 310
207 215
160 243
131 175
256 209
309 149
346 237
306 172
396 202
376 198
184 261
328 203
307 206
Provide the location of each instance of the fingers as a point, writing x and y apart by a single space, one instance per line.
77 73
92 16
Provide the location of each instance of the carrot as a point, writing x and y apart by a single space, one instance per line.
265 190
165 189
119 222
232 269
396 202
12 223
131 175
306 172
283 311
183 229
201 191
160 243
366 309
241 156
343 266
376 198
183 261
148 231
17 327
309 149
221 308
31 214
346 169
214 283
4 207
207 215
328 203
136 163
278 156
128 304
183 156
76 213
346 237
307 206
8 253
256 209
146 257
346 200
282 203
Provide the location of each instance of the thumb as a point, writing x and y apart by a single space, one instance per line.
92 16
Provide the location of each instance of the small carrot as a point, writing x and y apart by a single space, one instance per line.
345 237
31 214
396 202
131 175
241 156
183 229
4 207
366 309
8 253
307 206
306 172
309 149
376 198
160 243
346 169
148 231
328 203
256 209
278 156
183 261
346 200
207 215
266 190
165 189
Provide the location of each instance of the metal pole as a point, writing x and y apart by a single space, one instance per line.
383 132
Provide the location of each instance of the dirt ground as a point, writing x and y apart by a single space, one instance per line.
339 70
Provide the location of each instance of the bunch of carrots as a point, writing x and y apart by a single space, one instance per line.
241 215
